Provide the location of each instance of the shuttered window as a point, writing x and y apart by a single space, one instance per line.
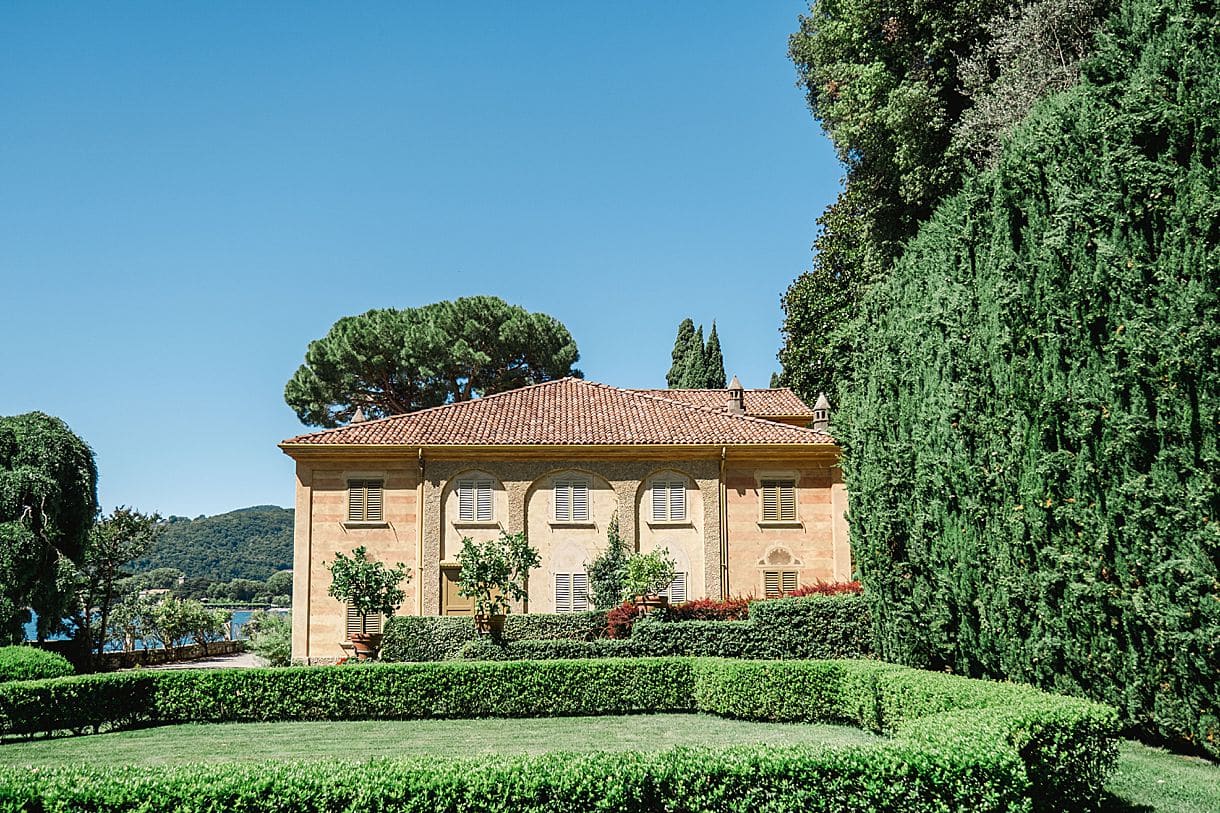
475 501
778 582
364 500
372 624
668 500
676 590
571 501
779 501
571 592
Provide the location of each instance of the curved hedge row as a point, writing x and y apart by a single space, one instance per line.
953 744
29 663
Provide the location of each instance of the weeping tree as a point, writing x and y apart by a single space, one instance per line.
48 499
1032 441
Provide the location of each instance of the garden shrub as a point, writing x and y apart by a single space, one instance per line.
953 743
438 638
1032 436
31 663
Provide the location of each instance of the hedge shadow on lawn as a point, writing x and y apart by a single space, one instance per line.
952 743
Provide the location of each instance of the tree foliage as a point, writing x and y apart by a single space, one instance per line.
1032 441
389 361
48 499
114 540
495 573
249 543
369 586
606 571
696 364
913 95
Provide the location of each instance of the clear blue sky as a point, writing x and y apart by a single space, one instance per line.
190 193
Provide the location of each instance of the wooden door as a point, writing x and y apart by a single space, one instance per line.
451 602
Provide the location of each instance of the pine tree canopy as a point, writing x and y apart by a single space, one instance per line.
389 361
1032 434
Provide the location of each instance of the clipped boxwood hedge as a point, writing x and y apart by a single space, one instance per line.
810 627
438 638
30 663
953 743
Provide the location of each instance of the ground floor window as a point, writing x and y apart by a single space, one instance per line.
778 582
571 592
371 624
676 591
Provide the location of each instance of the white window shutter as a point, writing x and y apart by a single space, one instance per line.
677 588
563 592
580 592
659 506
677 501
372 502
483 510
466 501
563 502
580 502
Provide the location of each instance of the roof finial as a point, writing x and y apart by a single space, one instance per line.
737 397
358 416
821 413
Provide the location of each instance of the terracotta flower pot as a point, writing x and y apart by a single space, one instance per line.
489 624
651 602
366 644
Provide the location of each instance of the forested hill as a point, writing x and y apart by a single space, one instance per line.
249 543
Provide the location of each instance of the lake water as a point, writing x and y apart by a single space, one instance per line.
236 628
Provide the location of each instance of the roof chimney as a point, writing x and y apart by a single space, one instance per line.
737 398
821 413
358 416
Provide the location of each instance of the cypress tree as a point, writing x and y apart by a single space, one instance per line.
686 335
1032 437
713 362
694 370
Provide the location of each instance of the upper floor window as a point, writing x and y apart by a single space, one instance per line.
669 499
364 500
778 500
475 501
571 500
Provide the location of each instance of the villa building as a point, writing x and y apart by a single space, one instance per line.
741 486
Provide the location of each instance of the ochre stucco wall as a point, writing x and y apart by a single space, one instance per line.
523 501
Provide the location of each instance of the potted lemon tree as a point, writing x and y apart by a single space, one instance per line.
645 575
369 588
494 574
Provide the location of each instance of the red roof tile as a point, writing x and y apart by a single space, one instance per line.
768 403
568 412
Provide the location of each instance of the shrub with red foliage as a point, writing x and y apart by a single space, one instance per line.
707 609
620 620
821 588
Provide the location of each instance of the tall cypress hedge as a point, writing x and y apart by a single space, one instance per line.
1031 441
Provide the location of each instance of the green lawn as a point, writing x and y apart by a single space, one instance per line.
1149 779
231 742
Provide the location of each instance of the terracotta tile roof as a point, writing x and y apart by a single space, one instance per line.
769 403
568 411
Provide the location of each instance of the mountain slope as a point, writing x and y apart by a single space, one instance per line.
249 543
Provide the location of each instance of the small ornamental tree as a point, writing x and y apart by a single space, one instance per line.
606 571
368 586
647 574
494 573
